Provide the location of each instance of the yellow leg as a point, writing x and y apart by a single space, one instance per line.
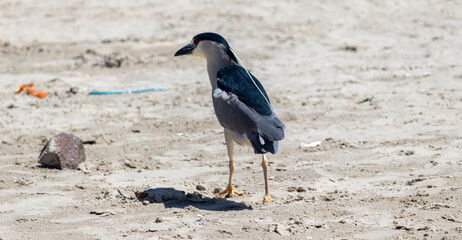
229 191
264 164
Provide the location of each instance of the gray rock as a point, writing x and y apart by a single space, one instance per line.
62 151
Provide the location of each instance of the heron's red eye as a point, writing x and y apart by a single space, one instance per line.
195 42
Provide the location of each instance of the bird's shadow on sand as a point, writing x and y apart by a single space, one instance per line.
172 198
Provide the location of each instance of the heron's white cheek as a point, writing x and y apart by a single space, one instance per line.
198 52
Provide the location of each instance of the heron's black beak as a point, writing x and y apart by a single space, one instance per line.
186 50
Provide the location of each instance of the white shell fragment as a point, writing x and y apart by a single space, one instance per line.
309 145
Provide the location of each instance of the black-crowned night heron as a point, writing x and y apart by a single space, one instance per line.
240 102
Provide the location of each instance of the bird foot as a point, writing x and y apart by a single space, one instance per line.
230 192
266 199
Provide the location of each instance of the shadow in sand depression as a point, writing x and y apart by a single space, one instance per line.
172 198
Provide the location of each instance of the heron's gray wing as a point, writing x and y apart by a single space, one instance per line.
234 78
270 127
246 110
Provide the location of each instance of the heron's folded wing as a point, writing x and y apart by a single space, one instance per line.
269 127
251 111
235 79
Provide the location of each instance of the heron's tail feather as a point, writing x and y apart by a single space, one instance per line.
262 145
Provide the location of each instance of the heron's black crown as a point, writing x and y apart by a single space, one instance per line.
216 38
211 37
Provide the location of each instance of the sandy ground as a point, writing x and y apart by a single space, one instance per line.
389 168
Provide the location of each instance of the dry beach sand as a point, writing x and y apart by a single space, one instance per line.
387 168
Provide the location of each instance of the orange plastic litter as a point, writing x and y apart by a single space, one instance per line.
24 87
31 91
37 93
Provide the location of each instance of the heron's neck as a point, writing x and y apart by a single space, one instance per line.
214 63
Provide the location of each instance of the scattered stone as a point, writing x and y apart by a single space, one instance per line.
200 187
217 190
225 232
91 51
452 219
413 181
404 224
24 220
292 198
282 230
349 48
328 198
191 209
424 228
407 153
103 213
145 202
109 193
346 221
62 151
318 225
246 228
72 90
298 189
159 220
85 167
426 74
129 164
112 61
24 181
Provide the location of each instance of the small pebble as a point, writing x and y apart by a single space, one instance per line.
217 190
129 164
426 74
145 202
200 187
408 153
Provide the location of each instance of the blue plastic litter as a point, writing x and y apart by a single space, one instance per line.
127 91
